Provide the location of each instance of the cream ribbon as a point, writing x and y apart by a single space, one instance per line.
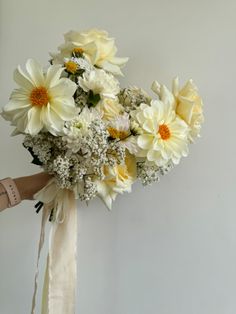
59 290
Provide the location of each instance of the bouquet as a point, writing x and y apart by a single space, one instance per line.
93 136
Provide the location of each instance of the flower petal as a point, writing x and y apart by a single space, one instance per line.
34 122
35 71
51 120
145 141
22 79
15 105
53 75
64 87
64 108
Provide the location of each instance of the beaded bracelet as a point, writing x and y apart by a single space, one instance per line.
12 191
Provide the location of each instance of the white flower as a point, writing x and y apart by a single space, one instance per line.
43 101
119 128
73 64
100 83
110 108
118 179
164 135
96 46
187 103
76 129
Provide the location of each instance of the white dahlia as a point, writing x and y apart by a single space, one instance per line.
96 46
100 83
187 103
164 135
42 101
72 65
77 128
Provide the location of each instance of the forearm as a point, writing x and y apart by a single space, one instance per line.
27 187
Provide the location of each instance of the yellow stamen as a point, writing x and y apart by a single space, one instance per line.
71 67
114 133
39 96
78 50
164 132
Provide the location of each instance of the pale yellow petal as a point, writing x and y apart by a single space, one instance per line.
53 75
34 124
35 71
22 79
145 141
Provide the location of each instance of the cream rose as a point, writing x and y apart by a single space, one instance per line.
110 108
187 103
117 180
96 46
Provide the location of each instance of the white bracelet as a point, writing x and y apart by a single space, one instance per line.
12 191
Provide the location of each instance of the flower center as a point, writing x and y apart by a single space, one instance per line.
71 66
164 132
114 133
78 50
39 96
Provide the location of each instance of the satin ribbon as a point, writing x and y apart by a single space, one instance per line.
59 289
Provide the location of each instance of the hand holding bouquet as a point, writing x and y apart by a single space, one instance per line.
95 137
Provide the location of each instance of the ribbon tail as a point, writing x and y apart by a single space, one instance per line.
45 215
62 264
44 306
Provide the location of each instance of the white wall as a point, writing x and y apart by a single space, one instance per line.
166 249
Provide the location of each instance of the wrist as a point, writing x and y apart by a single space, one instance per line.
12 191
22 187
29 185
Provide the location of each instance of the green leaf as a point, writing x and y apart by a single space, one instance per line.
93 99
35 160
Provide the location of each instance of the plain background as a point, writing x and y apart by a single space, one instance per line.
166 249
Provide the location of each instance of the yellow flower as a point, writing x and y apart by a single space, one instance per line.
164 135
119 128
118 179
71 66
110 108
43 101
189 106
187 103
96 46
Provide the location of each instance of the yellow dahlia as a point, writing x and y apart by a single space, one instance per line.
187 103
43 101
164 135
